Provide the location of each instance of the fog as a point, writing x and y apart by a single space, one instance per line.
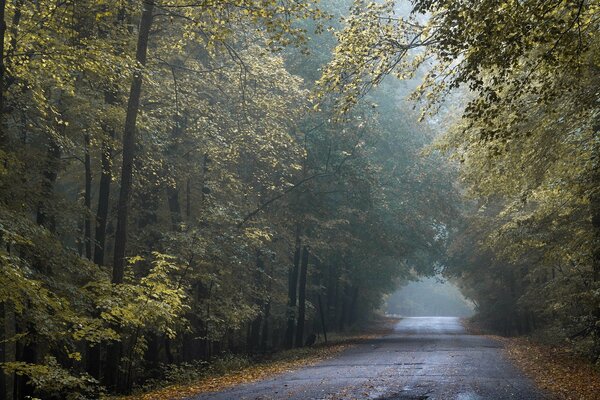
429 297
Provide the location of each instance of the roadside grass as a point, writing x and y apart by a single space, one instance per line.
188 380
555 369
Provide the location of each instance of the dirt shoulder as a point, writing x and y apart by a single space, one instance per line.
556 370
280 362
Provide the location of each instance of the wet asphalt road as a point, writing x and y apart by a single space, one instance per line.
424 358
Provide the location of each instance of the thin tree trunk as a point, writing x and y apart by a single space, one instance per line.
103 203
44 217
322 314
87 230
9 350
94 353
302 298
595 207
3 135
173 190
344 310
353 305
129 144
267 313
253 341
595 212
292 287
188 199
5 53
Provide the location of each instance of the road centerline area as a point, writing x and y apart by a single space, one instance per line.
424 358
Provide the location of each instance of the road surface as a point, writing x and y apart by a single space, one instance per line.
424 358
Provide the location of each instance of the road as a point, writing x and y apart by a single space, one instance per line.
424 358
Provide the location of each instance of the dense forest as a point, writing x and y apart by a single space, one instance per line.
182 180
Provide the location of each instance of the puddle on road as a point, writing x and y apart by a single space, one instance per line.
407 395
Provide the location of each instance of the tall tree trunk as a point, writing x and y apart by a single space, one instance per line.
188 198
115 350
3 135
87 230
8 350
103 203
344 310
322 315
264 339
44 217
129 143
94 353
302 298
353 305
595 213
173 190
5 54
292 287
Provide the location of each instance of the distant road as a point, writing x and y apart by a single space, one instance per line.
425 358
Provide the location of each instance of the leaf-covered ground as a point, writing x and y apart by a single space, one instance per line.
278 363
556 370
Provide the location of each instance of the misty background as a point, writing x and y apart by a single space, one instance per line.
429 297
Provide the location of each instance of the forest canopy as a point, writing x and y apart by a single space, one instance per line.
527 143
181 181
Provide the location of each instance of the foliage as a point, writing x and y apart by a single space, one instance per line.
233 173
527 144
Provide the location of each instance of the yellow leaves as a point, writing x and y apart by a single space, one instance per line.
257 236
555 369
74 356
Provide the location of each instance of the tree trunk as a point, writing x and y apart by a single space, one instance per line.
94 353
103 203
353 306
129 144
87 230
253 341
322 315
292 286
302 298
3 135
173 190
595 206
267 313
344 310
595 211
5 53
44 217
8 350
114 351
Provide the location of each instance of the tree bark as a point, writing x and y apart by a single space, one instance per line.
292 287
302 298
87 230
3 135
129 143
115 350
322 315
44 217
9 350
595 213
103 203
173 191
